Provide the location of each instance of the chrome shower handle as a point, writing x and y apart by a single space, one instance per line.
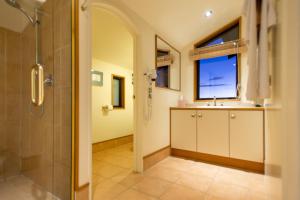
37 84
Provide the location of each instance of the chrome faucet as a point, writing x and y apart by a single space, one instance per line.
215 101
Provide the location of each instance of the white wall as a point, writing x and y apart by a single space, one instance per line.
118 122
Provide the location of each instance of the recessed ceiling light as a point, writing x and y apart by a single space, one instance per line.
208 13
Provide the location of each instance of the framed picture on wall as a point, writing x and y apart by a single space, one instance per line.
97 78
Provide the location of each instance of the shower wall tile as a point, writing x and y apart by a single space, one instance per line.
2 76
10 99
46 139
62 23
37 122
62 190
62 98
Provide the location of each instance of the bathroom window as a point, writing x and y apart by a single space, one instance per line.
218 77
118 91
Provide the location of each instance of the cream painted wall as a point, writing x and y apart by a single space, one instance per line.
282 116
154 134
118 122
112 53
85 136
111 40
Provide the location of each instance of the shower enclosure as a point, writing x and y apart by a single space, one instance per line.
35 99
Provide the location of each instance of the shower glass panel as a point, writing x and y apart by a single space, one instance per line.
35 133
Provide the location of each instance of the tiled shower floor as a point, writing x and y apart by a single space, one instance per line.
172 179
22 188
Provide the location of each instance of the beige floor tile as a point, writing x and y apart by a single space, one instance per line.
164 173
176 164
125 154
259 183
98 179
134 195
107 190
237 178
119 161
178 192
152 186
257 196
107 170
99 155
196 182
113 174
128 179
204 169
219 190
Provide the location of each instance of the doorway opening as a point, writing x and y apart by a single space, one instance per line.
112 77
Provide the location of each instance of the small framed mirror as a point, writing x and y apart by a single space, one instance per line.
168 65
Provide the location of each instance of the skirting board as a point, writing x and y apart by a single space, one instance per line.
112 143
219 160
155 157
83 192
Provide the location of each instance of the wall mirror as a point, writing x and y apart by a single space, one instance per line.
168 65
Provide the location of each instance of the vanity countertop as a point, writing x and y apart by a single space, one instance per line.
218 108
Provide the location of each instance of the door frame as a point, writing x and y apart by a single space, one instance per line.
76 9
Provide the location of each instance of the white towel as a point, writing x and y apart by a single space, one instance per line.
268 20
251 36
258 72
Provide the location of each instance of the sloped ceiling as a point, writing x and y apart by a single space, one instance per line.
111 40
13 19
183 21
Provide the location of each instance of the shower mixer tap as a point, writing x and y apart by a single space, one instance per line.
49 81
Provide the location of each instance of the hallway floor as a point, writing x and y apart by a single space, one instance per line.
171 179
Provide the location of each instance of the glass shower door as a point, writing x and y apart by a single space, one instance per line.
35 101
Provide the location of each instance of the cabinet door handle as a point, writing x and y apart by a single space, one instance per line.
193 115
200 115
232 116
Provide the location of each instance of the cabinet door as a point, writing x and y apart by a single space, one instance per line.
183 129
246 135
213 132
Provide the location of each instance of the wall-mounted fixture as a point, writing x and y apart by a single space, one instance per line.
150 76
107 108
97 78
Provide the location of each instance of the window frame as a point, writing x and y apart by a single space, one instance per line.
122 91
238 22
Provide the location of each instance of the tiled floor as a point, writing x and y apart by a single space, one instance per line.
171 179
22 188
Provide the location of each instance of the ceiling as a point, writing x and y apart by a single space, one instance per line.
13 19
182 22
111 40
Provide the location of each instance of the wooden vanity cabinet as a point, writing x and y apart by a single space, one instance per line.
213 132
246 135
232 137
183 129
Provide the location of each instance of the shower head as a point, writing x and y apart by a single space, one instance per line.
15 4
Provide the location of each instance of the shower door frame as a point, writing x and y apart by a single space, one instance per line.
75 96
